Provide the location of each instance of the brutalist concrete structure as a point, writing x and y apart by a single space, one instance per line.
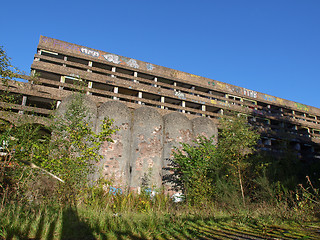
180 106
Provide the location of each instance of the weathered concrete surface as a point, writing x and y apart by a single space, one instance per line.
116 154
203 126
146 152
89 105
177 129
142 148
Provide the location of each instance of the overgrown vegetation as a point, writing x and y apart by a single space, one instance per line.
48 191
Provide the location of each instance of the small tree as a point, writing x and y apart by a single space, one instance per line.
74 147
193 165
237 140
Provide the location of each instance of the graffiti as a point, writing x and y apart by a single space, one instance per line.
269 98
221 85
60 44
132 63
149 66
272 99
210 83
180 95
112 58
121 60
236 90
177 74
178 197
226 104
280 100
192 75
149 192
114 191
250 93
301 107
89 52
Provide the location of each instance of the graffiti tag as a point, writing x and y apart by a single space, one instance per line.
149 66
301 107
250 93
89 52
114 191
180 95
121 60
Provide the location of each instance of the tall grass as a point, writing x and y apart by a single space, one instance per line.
132 216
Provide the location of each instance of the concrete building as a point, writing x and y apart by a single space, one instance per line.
139 84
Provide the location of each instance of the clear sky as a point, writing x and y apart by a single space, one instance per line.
270 46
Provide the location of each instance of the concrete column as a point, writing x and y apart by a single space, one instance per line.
89 86
183 104
162 101
203 108
58 104
174 84
221 111
24 101
113 69
156 80
90 65
135 74
62 80
139 96
115 90
65 59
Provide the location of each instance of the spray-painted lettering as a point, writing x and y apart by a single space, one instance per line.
114 191
180 95
121 60
250 93
89 52
301 107
149 66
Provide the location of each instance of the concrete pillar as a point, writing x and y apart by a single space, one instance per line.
162 101
146 152
90 65
89 86
62 80
183 104
135 74
174 84
203 108
65 59
177 129
58 104
115 90
203 126
139 96
155 80
115 164
24 101
113 69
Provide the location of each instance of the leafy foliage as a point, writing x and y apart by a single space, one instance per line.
237 140
194 167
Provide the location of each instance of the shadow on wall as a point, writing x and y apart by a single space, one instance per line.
138 156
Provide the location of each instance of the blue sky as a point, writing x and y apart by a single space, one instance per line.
270 46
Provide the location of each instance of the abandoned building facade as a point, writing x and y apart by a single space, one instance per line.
173 106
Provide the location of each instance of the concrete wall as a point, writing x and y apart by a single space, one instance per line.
142 147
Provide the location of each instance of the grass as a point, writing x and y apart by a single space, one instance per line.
92 222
